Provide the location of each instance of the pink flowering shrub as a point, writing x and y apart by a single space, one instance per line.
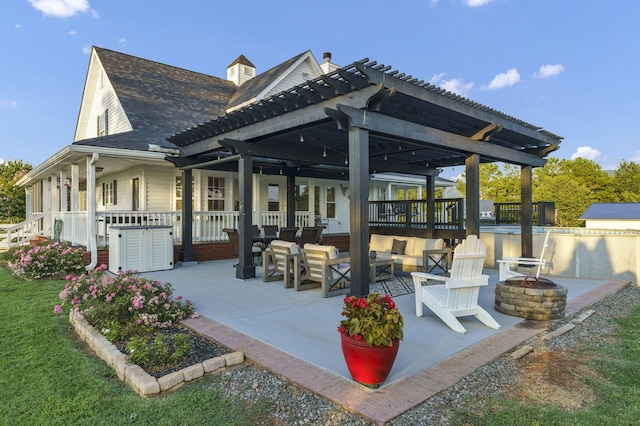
124 306
374 319
54 260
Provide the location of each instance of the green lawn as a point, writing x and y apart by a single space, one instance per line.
47 378
616 385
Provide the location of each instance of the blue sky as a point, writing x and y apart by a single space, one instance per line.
571 67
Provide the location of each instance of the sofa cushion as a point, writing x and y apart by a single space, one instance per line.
330 250
410 261
381 243
418 245
398 246
293 247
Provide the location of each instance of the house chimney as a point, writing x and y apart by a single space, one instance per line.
327 66
241 70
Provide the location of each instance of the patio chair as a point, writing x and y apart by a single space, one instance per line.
322 265
234 239
270 232
288 234
457 295
507 266
311 235
281 261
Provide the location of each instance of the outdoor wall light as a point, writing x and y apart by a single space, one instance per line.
67 182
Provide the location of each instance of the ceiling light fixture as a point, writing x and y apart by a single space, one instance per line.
324 152
301 137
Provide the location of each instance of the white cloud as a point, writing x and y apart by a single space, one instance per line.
17 26
586 152
454 85
60 8
476 3
457 178
122 41
505 79
1 160
549 70
86 49
72 33
8 104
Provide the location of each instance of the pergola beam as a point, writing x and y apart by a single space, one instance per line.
427 136
281 123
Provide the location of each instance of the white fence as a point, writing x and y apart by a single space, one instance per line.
573 252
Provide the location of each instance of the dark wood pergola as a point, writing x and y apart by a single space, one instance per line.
361 119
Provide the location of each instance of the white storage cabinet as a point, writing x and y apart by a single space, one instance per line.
140 248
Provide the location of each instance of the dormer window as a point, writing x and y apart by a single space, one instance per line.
103 123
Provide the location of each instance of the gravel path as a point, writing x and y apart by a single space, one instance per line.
294 406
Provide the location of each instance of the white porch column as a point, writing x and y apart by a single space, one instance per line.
75 202
63 191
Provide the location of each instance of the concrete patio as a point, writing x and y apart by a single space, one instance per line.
293 334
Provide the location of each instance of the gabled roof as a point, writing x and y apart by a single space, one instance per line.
160 99
257 87
242 60
615 211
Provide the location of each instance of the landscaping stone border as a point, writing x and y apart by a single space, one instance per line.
142 383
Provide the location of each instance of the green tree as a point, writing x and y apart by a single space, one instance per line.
12 198
627 181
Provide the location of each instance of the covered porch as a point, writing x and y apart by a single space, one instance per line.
353 123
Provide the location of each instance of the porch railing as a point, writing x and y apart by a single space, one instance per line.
22 232
413 213
206 225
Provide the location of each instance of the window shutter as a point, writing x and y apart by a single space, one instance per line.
115 192
106 129
104 195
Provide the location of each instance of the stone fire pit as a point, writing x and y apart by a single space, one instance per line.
531 298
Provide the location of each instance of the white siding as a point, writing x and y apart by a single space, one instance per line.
160 187
612 224
299 75
98 97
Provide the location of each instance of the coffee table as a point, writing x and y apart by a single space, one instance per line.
381 269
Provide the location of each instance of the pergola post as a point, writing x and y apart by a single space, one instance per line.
186 254
246 268
472 173
431 206
359 210
291 201
526 211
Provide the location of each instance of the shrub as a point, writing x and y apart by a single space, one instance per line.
54 260
159 350
124 306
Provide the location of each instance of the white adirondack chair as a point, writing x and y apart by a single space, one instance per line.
507 265
457 295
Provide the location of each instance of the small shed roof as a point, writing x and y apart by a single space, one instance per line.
616 211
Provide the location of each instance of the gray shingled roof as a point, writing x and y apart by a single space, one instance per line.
628 211
160 100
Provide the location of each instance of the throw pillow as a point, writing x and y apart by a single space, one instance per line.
398 246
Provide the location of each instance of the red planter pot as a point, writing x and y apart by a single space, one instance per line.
369 365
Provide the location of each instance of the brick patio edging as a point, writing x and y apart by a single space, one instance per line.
139 380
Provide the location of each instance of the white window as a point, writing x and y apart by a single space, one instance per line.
273 197
302 197
331 202
110 192
103 123
248 71
215 194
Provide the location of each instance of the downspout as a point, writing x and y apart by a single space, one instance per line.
91 210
